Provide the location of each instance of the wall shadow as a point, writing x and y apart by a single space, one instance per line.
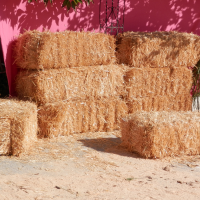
173 15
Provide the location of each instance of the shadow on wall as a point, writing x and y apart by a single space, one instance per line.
34 15
153 15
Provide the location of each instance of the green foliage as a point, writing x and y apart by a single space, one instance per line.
67 3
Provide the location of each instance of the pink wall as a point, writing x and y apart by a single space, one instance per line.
141 15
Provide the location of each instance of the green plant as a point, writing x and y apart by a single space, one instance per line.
67 3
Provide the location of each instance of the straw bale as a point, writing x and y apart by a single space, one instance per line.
180 102
162 134
157 81
19 120
68 117
46 50
53 85
4 136
158 49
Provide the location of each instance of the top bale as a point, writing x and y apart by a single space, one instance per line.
158 49
46 50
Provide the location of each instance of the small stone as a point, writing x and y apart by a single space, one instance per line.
179 182
190 183
167 168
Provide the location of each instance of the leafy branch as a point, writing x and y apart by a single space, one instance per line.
67 3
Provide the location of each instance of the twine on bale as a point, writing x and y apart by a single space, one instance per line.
46 50
162 134
21 125
158 49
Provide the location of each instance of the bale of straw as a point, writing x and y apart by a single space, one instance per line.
158 49
5 133
64 118
53 85
46 50
180 102
157 81
161 134
19 122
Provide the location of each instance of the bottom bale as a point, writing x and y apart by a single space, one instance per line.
18 126
5 133
162 134
64 118
161 103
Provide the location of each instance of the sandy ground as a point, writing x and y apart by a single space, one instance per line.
97 167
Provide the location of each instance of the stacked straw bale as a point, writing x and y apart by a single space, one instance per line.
151 82
161 134
64 118
80 83
180 102
46 50
18 126
158 49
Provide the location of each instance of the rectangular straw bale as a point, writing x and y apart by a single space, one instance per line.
180 102
162 134
5 133
53 85
64 118
157 81
158 49
46 50
19 120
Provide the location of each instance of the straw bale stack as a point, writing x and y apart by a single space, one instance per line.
180 102
46 50
161 134
157 81
83 83
158 49
64 118
18 126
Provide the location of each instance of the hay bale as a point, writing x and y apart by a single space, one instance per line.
158 49
83 83
180 102
64 118
18 125
5 134
46 50
157 81
161 134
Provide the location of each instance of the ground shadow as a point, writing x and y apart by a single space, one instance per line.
109 145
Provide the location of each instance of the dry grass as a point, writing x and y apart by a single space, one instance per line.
19 120
81 83
151 82
180 102
158 49
161 134
46 50
64 118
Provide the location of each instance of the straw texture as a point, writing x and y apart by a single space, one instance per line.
157 81
158 49
46 50
83 83
161 134
5 136
64 118
180 102
19 120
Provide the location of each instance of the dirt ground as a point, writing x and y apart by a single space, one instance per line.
96 166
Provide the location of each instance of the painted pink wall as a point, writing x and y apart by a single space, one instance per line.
141 15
